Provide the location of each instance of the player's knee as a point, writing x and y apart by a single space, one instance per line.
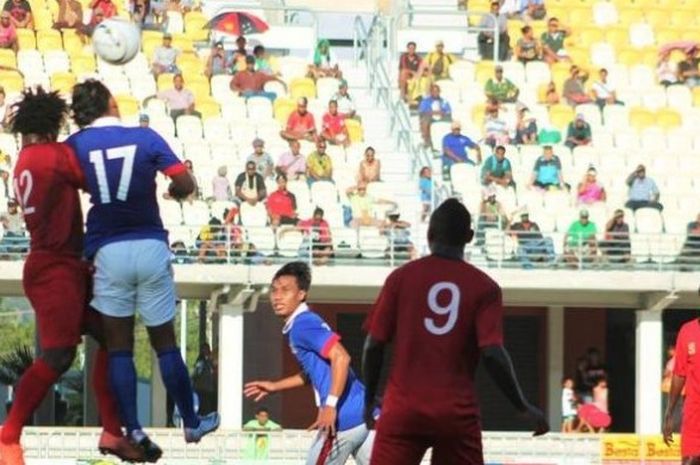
59 359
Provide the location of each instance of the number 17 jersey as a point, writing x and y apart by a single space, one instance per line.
439 313
120 166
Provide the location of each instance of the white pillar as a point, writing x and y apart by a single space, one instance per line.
183 329
231 366
649 361
555 364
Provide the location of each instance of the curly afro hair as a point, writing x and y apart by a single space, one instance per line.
90 101
39 112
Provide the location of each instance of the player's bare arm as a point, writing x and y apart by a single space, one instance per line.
258 390
372 359
677 385
340 366
500 367
182 185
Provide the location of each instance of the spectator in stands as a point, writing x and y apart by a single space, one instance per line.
333 127
211 242
547 173
551 95
221 187
643 192
282 204
107 7
553 41
250 186
589 189
574 92
5 170
497 169
145 15
533 10
688 72
180 100
240 54
486 39
528 48
439 62
292 163
525 126
346 107
144 120
370 168
690 253
617 246
399 234
578 133
250 83
455 146
197 194
580 241
300 123
14 240
603 91
362 205
319 166
262 61
219 61
164 57
70 16
666 73
264 164
409 65
431 109
20 13
259 444
8 33
532 245
425 185
318 233
492 215
181 253
496 131
568 406
323 62
501 89
419 88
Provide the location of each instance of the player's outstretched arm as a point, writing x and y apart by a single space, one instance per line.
258 390
372 360
500 367
182 185
340 367
677 385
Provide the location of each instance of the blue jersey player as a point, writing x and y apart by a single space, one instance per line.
128 244
325 364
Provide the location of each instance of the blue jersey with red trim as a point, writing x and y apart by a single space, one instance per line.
120 165
311 339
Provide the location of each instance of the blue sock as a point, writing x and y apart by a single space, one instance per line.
177 383
122 378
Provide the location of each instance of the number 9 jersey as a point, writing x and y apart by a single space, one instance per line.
120 166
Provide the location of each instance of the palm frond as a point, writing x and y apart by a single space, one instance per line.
14 364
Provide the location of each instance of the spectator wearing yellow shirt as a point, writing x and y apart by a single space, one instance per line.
319 166
439 62
259 444
362 206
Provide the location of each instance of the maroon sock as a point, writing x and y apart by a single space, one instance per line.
106 402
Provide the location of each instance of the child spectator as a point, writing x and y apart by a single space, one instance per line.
370 168
425 184
568 406
221 185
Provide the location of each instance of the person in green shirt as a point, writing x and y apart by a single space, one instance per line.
259 443
578 133
553 41
501 89
580 240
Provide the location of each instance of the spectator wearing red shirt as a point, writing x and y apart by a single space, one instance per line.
318 230
108 8
250 83
301 124
409 65
334 129
282 204
8 33
20 13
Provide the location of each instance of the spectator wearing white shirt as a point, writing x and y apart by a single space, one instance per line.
164 57
496 131
292 163
264 164
643 191
666 71
604 92
346 107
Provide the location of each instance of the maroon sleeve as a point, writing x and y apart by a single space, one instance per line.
680 368
489 317
71 168
381 322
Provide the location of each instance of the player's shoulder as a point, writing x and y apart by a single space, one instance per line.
308 319
689 327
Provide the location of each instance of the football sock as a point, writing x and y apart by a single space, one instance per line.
31 390
106 402
122 379
177 383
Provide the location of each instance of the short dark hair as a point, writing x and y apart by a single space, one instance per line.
300 271
546 147
500 147
261 409
249 163
318 211
281 176
526 29
411 43
552 19
39 112
450 224
90 101
258 49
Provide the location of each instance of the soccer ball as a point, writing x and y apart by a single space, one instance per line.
116 40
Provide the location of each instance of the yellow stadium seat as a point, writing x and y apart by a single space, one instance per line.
282 108
152 35
629 56
208 108
53 9
82 64
194 26
641 118
165 81
8 58
302 87
656 17
589 36
189 60
483 72
696 96
355 131
26 39
681 18
561 115
668 118
478 114
72 43
128 105
618 37
650 57
667 34
630 15
63 82
42 19
183 43
538 27
560 74
48 40
580 56
556 11
149 45
11 81
580 15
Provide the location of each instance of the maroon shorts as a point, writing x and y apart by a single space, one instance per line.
57 286
690 431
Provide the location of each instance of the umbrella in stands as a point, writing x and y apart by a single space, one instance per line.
237 23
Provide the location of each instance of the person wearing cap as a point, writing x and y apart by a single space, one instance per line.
439 62
180 100
547 173
578 133
497 169
219 61
603 91
643 192
455 146
398 232
362 205
492 215
333 127
532 245
221 186
617 247
319 165
574 92
501 89
165 57
251 83
688 71
527 48
300 123
553 41
409 66
346 107
580 239
144 120
432 108
324 63
264 164
486 40
589 190
292 163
